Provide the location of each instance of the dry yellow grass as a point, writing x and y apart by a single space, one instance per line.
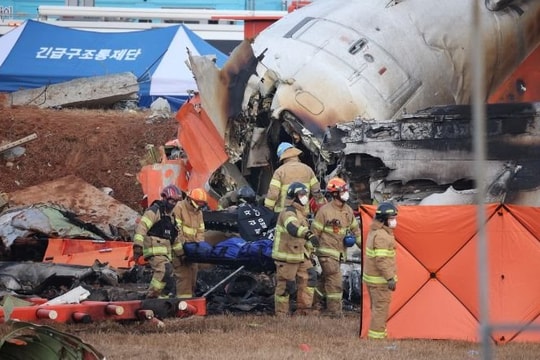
270 338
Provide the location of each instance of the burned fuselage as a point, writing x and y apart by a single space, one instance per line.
431 152
308 77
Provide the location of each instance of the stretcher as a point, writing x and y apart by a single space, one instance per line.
235 251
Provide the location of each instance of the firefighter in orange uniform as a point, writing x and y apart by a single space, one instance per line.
154 235
337 228
291 170
191 229
294 270
380 267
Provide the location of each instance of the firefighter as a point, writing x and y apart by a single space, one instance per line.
153 238
294 271
380 267
291 170
228 200
334 224
191 229
246 195
231 199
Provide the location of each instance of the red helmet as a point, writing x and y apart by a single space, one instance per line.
171 192
336 185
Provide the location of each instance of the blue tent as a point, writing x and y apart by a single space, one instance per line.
38 54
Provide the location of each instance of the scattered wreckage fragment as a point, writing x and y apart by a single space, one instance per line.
16 143
69 293
188 167
42 219
119 219
32 341
94 91
92 311
47 280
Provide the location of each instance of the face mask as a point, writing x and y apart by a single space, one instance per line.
303 200
197 207
392 223
169 205
344 196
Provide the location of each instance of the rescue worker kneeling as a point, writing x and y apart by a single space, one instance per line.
189 216
294 269
153 238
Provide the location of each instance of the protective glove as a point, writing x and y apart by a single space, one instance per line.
178 248
392 284
179 260
312 238
141 261
137 252
309 249
137 258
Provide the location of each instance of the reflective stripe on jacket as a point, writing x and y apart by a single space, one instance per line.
292 170
190 225
157 244
332 222
289 240
380 255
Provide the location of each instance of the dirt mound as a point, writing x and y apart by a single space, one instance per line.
103 147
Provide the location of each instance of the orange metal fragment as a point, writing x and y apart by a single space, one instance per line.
524 83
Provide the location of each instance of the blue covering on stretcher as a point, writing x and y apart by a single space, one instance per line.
228 249
233 251
198 249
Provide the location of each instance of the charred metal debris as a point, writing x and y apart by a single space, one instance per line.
421 158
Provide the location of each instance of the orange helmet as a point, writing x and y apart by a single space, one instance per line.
198 195
336 185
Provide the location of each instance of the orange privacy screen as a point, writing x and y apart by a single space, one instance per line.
437 292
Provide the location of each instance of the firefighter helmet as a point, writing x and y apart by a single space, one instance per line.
336 184
282 147
198 195
385 210
171 192
246 193
296 189
349 240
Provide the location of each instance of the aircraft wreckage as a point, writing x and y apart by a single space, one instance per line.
387 112
333 79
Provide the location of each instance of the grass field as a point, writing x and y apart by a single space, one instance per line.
266 337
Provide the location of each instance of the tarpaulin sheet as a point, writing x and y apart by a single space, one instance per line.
437 294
